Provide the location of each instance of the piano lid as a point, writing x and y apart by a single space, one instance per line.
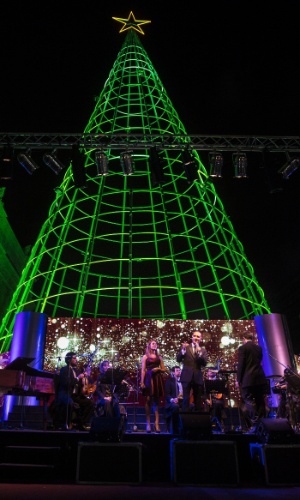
21 364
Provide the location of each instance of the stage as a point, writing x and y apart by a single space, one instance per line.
269 457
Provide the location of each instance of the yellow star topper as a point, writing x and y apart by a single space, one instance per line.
131 23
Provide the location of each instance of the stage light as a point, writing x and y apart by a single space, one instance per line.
6 170
27 162
78 168
101 161
127 163
53 162
291 165
216 164
156 168
240 164
189 165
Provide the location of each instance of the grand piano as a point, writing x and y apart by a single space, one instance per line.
20 379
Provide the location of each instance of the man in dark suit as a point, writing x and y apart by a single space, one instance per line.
193 359
69 396
251 379
173 399
107 403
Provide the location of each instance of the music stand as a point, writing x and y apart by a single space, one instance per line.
217 386
113 376
226 373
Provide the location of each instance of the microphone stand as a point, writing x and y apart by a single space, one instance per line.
136 398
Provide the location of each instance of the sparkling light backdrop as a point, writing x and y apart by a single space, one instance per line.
123 343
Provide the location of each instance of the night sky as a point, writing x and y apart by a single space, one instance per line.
229 68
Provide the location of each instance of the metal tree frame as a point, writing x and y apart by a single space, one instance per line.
155 244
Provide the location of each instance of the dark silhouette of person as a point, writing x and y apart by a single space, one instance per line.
252 380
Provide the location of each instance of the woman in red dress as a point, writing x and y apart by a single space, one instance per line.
152 382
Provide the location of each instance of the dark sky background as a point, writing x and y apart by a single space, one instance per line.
230 67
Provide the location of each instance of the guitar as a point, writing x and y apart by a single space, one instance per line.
88 388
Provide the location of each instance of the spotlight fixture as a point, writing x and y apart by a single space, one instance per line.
157 175
216 164
27 162
6 170
189 165
240 164
127 163
291 165
53 162
101 161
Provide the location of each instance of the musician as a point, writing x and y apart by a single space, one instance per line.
173 399
292 386
70 398
107 403
280 388
87 383
214 399
194 358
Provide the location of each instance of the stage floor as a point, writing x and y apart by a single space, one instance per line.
215 459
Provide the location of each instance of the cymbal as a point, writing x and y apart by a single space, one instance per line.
273 376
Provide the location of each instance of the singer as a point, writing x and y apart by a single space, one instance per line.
193 358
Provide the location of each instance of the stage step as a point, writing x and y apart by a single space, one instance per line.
136 418
32 417
31 464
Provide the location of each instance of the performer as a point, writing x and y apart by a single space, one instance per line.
152 383
292 380
215 399
251 379
194 358
69 397
87 383
280 388
173 399
107 403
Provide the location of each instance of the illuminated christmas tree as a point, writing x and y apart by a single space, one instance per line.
140 232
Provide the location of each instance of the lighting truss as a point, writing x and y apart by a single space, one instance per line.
163 141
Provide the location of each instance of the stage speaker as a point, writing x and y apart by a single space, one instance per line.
106 429
208 463
278 464
194 425
109 463
274 431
